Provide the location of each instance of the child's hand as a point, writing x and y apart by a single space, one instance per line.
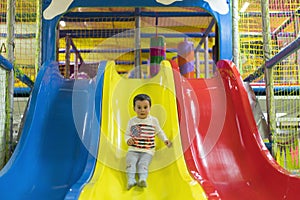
168 143
130 141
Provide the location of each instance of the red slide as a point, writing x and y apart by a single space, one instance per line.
222 146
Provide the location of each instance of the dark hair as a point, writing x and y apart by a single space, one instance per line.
141 97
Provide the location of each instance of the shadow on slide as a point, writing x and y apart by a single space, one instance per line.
168 175
223 148
52 153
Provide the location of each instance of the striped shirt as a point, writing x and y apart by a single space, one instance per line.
144 131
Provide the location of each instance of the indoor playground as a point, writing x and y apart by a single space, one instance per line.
224 80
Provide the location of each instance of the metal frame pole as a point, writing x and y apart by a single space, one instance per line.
137 39
235 33
38 57
10 78
269 81
206 57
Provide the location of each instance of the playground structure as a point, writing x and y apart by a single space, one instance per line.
67 96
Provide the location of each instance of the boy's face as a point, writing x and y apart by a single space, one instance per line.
142 108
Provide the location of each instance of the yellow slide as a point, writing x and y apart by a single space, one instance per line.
168 175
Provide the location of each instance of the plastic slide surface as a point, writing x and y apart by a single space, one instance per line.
91 142
223 147
51 154
168 175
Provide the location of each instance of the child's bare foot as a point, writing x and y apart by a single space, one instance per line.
142 183
130 185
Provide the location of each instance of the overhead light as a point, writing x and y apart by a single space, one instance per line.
244 7
62 23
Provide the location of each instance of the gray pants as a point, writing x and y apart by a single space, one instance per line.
137 162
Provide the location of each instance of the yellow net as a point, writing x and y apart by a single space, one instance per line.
284 20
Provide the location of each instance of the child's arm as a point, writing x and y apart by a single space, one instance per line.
161 134
129 140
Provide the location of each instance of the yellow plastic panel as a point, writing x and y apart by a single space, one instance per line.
168 175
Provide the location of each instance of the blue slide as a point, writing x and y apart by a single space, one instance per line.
59 138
